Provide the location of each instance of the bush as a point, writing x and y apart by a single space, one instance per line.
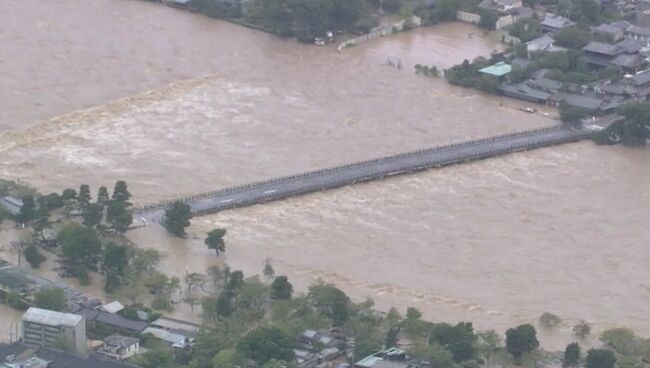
549 320
582 329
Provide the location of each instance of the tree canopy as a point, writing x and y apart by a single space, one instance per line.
600 358
177 218
79 244
215 241
460 339
331 301
632 130
281 288
571 355
307 18
266 343
521 340
33 256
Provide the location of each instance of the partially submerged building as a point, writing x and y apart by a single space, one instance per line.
11 204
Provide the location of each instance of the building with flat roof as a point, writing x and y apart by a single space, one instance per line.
499 69
42 327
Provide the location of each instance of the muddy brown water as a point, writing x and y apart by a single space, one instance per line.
176 103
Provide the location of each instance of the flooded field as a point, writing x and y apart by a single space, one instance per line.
175 104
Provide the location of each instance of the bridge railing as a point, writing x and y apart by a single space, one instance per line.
386 158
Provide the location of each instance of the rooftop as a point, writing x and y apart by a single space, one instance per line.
113 320
120 341
622 24
176 340
112 307
498 70
641 78
585 102
51 318
603 48
628 61
630 46
11 204
56 358
638 30
556 21
606 28
541 42
175 324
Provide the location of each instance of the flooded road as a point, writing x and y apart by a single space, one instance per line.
176 103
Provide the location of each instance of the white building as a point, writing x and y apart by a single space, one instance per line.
42 327
120 347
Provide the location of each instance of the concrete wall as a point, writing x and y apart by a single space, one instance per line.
383 31
505 21
468 17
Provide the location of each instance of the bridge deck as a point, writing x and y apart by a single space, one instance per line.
334 177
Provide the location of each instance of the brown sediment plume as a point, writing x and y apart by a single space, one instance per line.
48 130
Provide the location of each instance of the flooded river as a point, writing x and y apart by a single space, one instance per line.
176 103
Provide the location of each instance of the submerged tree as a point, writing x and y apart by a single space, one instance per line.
177 218
215 241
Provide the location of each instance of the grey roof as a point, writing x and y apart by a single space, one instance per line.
14 279
11 204
606 29
556 21
113 320
524 92
51 318
541 42
585 102
506 2
603 48
172 338
487 4
546 84
630 46
628 61
175 324
58 358
622 24
612 88
641 78
120 341
642 31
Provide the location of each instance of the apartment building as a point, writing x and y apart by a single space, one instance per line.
42 327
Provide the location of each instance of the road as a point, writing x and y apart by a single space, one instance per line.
313 181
